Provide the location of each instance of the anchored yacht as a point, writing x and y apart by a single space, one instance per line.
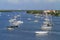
47 25
14 23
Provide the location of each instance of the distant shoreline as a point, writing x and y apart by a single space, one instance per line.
56 13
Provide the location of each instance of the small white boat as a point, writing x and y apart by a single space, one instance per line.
36 21
12 20
29 19
46 28
10 29
17 23
46 19
41 32
46 22
37 16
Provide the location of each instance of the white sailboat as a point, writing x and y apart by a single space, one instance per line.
46 27
14 23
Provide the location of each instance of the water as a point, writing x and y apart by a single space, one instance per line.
26 31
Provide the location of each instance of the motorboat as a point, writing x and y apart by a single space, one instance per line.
41 32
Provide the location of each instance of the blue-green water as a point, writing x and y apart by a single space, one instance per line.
27 29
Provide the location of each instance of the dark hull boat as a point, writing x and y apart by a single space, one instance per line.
11 27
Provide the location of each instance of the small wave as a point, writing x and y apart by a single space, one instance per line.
44 32
49 32
54 32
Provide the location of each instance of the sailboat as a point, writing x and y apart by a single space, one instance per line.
14 23
46 27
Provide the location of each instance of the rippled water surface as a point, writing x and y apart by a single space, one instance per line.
26 31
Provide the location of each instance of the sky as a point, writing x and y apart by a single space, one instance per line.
29 4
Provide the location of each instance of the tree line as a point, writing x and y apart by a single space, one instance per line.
56 13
